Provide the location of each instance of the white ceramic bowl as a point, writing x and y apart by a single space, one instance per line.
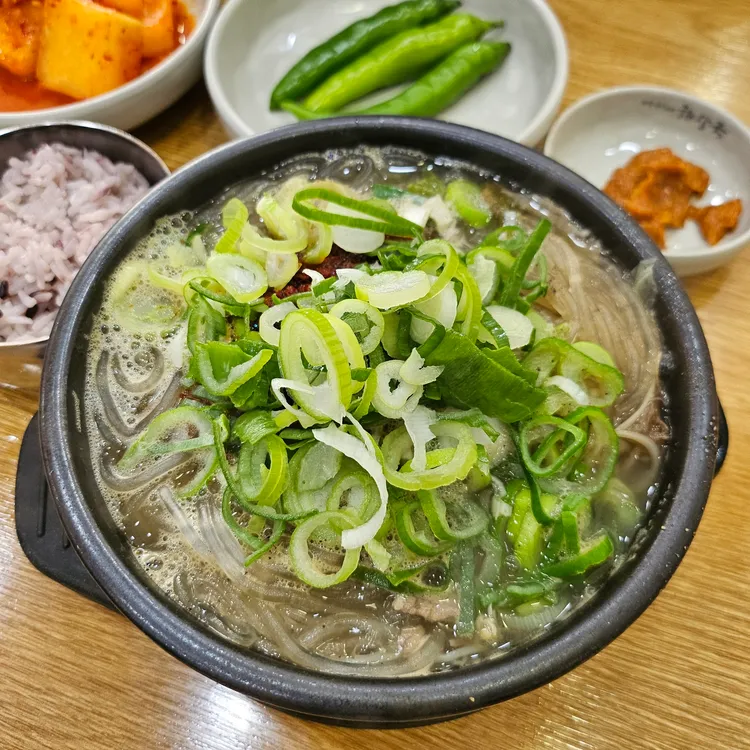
144 97
602 132
253 44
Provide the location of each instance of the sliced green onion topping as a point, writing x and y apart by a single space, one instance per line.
299 553
464 569
279 221
393 288
370 331
466 198
593 552
383 220
365 454
178 430
368 393
245 280
260 483
234 215
469 304
516 326
204 323
307 335
252 426
414 371
443 465
589 471
268 320
320 245
555 357
280 268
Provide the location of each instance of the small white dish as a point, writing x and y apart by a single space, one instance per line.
142 98
254 44
602 132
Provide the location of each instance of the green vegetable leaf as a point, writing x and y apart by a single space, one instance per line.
357 322
222 368
471 378
255 393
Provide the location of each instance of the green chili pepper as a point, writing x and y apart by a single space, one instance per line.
508 237
568 553
527 544
543 507
388 192
319 288
593 552
354 41
552 356
197 231
453 521
588 471
437 89
203 286
555 442
575 518
415 533
528 589
521 500
398 59
537 287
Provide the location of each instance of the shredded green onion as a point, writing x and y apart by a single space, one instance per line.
383 220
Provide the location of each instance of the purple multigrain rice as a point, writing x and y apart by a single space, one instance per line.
55 205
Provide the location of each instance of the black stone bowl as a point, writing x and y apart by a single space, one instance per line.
688 469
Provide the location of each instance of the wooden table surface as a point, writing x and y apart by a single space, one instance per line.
75 675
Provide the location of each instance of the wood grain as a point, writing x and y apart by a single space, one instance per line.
73 675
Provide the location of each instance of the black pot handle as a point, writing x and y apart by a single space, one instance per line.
722 445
